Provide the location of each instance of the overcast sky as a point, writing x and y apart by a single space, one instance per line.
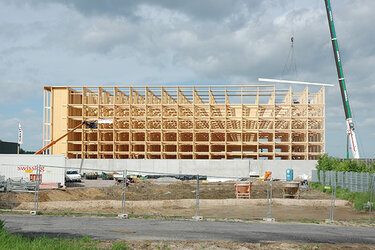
107 42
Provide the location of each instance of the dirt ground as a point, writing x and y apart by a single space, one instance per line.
179 198
151 190
134 244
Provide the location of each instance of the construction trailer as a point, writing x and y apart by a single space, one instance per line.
186 122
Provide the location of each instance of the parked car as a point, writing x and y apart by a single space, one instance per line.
73 176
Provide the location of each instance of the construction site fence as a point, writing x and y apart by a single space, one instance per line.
353 181
161 197
31 180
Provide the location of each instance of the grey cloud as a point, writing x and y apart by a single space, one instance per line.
213 40
206 10
210 49
16 91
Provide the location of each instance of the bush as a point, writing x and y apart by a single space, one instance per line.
327 163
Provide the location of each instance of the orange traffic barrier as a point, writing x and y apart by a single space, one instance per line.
267 175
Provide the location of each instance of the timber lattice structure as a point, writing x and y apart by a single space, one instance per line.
186 122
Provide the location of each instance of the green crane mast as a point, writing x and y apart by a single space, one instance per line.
344 95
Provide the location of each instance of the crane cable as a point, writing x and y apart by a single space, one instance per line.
290 65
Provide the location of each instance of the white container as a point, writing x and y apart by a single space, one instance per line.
25 167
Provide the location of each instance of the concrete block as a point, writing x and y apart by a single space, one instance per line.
197 218
33 212
269 219
123 216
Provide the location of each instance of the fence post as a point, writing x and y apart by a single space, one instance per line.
269 201
267 196
197 217
270 214
36 197
371 194
123 194
333 198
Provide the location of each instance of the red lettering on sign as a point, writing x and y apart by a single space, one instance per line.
33 168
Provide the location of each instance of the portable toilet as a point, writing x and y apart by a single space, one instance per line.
289 174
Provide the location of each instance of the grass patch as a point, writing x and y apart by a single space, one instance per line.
359 199
13 241
76 214
120 246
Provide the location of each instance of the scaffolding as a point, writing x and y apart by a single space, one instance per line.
186 122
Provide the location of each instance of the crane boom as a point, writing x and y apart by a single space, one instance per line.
40 151
344 94
88 124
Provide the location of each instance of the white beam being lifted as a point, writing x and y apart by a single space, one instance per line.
295 82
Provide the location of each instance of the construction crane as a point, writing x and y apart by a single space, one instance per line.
344 95
90 124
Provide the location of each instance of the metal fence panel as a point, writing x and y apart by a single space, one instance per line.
346 180
354 182
357 182
340 179
322 177
350 181
315 176
327 178
365 182
332 178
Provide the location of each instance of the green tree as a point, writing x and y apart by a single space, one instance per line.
326 163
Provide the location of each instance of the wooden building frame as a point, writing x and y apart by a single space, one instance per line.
186 122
